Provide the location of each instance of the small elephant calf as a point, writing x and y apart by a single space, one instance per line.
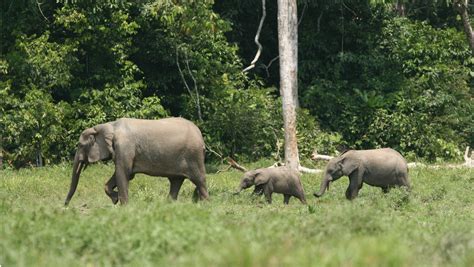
281 180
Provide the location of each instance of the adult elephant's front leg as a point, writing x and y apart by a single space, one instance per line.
122 176
109 189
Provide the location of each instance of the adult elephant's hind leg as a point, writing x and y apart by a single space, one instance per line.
175 186
200 193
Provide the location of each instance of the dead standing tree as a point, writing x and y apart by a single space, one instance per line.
288 56
288 50
462 7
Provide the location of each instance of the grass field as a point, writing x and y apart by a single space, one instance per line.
431 226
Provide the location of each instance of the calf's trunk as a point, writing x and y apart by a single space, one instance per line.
324 186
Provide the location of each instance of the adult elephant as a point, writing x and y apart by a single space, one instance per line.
171 147
384 168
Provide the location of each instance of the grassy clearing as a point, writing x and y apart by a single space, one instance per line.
432 226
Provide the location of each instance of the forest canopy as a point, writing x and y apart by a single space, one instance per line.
369 75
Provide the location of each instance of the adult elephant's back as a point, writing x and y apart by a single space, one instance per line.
165 147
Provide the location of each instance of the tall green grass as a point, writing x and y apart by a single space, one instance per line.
431 226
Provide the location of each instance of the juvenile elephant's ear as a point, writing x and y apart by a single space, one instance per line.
102 148
261 178
349 165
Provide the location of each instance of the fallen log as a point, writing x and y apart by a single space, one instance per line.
315 156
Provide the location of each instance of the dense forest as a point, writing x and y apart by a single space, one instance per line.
370 75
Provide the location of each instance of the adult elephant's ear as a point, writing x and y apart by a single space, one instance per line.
261 178
86 140
102 148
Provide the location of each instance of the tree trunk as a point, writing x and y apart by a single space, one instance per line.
462 7
39 159
288 49
400 8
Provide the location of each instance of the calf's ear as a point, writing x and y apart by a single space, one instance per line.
261 178
349 165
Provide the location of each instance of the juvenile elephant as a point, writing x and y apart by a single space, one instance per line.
279 180
171 147
383 168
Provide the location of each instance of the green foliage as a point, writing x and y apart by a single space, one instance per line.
432 113
419 104
366 78
42 63
76 74
245 123
32 128
191 35
31 120
430 226
311 137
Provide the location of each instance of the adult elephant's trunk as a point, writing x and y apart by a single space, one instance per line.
76 172
324 186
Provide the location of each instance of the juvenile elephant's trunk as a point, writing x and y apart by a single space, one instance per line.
324 186
76 172
239 189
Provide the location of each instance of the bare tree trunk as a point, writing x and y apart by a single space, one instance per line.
400 8
462 7
39 158
288 50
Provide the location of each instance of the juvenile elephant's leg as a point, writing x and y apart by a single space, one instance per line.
302 198
386 189
299 193
351 192
109 189
258 190
195 195
405 182
354 185
175 185
286 199
267 191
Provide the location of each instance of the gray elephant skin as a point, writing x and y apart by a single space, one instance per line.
281 180
384 168
171 147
